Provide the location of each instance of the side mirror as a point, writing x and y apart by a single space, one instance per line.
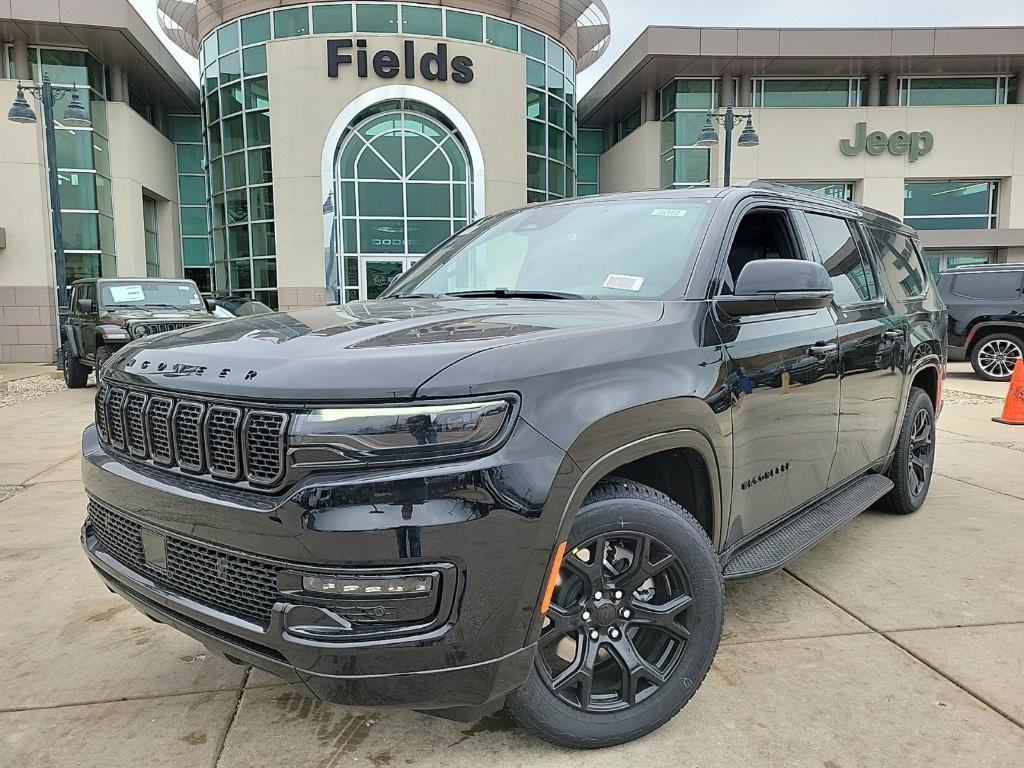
85 306
778 285
211 304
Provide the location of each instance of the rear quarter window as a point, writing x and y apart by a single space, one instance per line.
901 262
988 285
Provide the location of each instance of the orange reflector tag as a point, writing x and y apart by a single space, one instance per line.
552 578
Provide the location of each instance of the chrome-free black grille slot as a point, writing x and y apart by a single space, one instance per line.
158 425
115 416
230 583
101 412
135 428
222 441
264 446
188 436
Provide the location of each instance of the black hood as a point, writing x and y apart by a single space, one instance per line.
159 314
375 350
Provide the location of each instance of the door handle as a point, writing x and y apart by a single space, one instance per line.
821 349
892 335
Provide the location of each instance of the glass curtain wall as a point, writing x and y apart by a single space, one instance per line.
236 117
588 161
683 105
966 204
186 131
151 235
957 91
83 163
809 92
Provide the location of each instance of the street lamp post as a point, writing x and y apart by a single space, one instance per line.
75 116
709 136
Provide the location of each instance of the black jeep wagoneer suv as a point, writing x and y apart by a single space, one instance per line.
520 476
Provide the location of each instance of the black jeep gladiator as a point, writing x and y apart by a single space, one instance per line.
520 477
107 313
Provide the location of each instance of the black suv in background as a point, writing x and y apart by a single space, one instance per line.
521 475
986 316
107 313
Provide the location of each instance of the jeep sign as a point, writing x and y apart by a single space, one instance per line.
432 65
915 145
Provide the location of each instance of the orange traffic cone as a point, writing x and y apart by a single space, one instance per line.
1013 410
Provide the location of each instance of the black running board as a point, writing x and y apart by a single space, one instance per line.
784 542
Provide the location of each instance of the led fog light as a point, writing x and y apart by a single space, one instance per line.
368 586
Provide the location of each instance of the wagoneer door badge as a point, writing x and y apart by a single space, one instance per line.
766 475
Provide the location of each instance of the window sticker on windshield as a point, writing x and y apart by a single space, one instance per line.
195 301
121 293
668 212
623 282
184 287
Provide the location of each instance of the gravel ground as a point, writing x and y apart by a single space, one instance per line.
6 491
32 388
967 398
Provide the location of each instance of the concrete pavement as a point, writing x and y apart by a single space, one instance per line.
896 641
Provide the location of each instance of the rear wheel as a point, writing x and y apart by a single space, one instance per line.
75 374
633 626
911 471
994 356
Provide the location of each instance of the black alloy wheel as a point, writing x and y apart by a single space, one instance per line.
920 455
634 622
619 625
914 459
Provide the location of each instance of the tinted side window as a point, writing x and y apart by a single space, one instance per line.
901 263
990 285
852 277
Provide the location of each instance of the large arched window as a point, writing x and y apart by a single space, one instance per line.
403 184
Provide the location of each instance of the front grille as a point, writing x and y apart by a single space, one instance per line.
138 330
228 582
225 442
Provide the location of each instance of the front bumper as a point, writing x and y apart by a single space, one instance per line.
483 523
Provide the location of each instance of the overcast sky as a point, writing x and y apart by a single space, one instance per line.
629 17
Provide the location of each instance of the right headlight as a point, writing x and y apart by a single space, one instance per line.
399 433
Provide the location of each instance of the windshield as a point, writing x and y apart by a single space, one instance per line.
151 294
628 249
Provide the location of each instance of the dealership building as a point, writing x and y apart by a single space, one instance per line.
329 145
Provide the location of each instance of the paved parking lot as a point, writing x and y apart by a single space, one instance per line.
896 642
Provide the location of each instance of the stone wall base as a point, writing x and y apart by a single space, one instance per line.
28 317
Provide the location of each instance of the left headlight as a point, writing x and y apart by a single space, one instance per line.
399 433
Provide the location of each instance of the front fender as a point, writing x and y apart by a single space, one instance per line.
113 334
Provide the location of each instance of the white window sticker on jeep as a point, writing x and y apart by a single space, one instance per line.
623 282
668 212
121 293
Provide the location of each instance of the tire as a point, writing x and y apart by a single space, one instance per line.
911 470
75 373
667 637
103 354
993 356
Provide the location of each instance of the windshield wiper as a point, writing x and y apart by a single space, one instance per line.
506 293
415 296
168 306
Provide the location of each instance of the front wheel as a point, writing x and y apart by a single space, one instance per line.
911 471
633 626
76 375
994 356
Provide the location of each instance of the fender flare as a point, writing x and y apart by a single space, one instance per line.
620 456
638 449
69 337
982 328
